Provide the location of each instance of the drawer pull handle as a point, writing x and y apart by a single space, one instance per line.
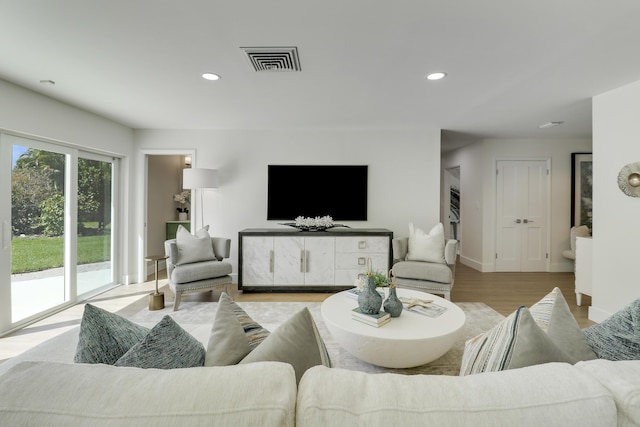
362 261
362 244
270 261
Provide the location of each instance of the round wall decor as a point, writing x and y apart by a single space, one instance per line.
629 179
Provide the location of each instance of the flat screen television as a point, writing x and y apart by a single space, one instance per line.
339 191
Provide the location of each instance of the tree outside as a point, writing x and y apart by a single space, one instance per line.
37 209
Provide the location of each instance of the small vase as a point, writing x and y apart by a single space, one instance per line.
392 304
369 300
182 216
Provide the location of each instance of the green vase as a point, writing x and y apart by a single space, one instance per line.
369 300
392 304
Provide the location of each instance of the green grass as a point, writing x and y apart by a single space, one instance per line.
41 253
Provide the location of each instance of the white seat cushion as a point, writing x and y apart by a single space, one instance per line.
554 394
47 393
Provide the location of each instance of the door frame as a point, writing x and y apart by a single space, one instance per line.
495 205
142 180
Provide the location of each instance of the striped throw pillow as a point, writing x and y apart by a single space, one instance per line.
515 342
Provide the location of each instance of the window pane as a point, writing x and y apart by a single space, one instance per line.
95 268
37 221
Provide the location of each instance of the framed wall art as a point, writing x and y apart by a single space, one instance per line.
581 189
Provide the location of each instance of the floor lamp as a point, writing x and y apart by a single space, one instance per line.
199 179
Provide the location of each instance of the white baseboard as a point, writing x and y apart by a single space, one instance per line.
472 263
598 315
561 267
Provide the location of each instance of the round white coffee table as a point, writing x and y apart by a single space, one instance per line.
409 340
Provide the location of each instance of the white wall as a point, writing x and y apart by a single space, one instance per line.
478 194
30 114
404 172
616 142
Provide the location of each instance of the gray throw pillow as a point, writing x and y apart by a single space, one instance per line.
297 342
105 337
554 317
618 337
234 334
166 346
194 247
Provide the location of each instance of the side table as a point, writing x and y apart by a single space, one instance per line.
156 299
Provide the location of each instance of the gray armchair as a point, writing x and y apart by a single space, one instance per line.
198 276
431 277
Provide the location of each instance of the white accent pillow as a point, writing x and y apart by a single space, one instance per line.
194 248
426 247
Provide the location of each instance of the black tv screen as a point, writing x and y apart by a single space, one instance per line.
317 190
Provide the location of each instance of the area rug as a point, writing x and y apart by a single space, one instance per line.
197 318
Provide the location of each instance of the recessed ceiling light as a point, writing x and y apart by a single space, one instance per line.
210 76
549 125
436 76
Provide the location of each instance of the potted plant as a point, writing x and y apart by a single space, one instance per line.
183 199
380 279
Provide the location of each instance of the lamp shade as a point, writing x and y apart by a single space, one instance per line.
199 178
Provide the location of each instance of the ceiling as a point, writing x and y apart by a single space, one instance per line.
511 65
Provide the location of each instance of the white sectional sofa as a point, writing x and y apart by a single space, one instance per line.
594 393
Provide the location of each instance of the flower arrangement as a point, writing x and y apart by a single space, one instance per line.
379 279
182 198
317 222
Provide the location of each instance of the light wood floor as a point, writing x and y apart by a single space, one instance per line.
503 292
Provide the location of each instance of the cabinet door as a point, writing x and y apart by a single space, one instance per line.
257 260
319 260
288 265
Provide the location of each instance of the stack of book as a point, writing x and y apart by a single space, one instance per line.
376 320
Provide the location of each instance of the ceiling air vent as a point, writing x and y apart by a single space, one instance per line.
273 58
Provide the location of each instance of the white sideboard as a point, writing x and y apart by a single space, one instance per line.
584 262
286 260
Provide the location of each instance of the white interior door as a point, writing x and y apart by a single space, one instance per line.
522 215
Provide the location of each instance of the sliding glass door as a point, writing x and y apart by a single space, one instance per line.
95 225
39 206
57 233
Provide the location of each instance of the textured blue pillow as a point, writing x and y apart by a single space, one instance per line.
618 337
166 346
105 337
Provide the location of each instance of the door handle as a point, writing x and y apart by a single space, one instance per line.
517 221
526 221
304 261
6 235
